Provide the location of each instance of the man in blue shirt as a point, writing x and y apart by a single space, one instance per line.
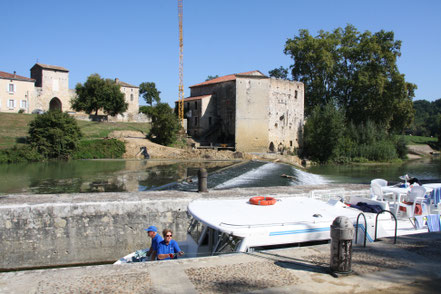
168 248
156 239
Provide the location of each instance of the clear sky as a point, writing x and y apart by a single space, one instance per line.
137 40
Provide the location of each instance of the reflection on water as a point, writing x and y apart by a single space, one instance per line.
97 175
144 175
426 169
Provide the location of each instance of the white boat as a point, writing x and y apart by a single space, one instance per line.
235 225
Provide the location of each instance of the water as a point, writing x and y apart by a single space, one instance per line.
144 175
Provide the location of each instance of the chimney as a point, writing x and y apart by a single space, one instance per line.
15 74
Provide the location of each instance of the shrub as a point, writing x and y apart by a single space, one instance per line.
323 130
165 124
54 134
19 154
94 149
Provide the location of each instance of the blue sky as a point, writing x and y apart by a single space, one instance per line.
137 40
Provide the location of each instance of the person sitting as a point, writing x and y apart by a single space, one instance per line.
156 239
168 248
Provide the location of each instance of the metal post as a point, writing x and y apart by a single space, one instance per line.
202 180
342 233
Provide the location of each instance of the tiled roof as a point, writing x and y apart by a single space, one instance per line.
53 67
195 98
228 78
9 76
123 84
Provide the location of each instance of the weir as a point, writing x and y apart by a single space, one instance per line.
68 229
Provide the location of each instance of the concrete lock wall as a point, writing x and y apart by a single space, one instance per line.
43 234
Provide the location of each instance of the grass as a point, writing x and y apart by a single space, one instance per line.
416 140
14 128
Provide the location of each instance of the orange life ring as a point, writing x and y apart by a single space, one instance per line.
261 200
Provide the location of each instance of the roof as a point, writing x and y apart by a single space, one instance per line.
123 84
196 98
9 76
227 78
52 67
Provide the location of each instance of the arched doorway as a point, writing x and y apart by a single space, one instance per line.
271 147
55 104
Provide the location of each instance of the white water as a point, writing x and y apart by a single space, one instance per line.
272 174
305 178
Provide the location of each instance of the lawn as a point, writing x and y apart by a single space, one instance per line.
14 128
415 140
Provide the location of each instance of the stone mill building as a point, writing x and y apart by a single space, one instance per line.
246 112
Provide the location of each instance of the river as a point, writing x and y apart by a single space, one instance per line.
144 175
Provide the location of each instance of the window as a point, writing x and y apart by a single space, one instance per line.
11 88
131 97
295 94
11 103
195 105
195 121
23 104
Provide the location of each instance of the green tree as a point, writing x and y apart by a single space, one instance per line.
356 71
165 124
211 77
323 132
149 92
54 134
98 93
279 73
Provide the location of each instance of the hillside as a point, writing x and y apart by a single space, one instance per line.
14 128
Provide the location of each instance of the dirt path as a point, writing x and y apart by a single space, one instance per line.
135 140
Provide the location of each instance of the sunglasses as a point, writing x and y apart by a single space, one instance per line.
168 235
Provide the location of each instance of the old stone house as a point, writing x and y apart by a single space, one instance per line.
246 111
48 88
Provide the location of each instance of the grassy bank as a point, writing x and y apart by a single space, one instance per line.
14 128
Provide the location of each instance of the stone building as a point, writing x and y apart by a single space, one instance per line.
247 111
16 92
48 88
51 87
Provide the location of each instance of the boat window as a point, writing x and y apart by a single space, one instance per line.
226 244
195 229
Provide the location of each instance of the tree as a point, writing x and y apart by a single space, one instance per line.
165 124
279 73
356 71
211 77
323 132
149 92
98 93
54 134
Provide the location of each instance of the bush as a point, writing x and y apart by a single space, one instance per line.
323 130
54 134
165 124
19 154
95 149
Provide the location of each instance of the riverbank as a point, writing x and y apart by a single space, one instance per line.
410 266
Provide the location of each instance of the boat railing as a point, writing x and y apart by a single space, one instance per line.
396 224
326 195
365 228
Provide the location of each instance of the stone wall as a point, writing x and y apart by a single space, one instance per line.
62 233
285 115
252 106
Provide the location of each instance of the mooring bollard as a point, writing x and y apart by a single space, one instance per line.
342 233
202 180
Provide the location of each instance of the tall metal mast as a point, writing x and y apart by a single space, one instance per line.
181 64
